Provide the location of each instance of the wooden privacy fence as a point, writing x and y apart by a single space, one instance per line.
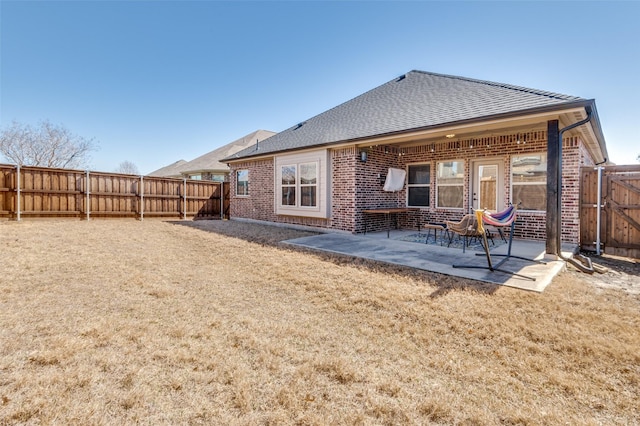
619 207
45 192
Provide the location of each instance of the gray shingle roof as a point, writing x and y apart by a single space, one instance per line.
172 170
415 100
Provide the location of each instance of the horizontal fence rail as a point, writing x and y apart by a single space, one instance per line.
27 191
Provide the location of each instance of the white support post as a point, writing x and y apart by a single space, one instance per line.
141 198
184 198
87 190
599 209
18 191
222 200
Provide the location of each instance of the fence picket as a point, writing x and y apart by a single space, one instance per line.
27 191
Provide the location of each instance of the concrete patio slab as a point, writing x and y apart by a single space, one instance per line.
441 259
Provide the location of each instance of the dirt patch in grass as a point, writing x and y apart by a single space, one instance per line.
617 273
114 322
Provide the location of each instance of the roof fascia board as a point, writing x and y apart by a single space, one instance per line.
256 157
225 170
596 127
274 154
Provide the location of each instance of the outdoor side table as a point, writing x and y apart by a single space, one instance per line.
387 212
436 227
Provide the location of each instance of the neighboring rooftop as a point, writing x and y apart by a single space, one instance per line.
210 162
413 101
172 170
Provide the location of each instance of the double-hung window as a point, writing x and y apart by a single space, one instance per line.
529 181
450 184
242 182
418 185
308 184
288 183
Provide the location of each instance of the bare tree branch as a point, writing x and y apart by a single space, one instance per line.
128 168
46 145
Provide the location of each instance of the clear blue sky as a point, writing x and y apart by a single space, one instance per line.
158 81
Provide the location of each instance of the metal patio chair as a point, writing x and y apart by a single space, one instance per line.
467 228
504 218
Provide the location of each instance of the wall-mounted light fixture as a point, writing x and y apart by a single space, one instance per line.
363 156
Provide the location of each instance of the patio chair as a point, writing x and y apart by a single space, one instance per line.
506 217
466 228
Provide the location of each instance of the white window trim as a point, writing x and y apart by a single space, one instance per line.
420 185
321 159
248 182
438 185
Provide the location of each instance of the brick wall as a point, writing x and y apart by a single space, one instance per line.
370 178
357 185
343 188
260 204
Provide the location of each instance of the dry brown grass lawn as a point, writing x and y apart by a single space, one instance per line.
121 322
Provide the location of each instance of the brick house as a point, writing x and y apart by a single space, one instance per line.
463 143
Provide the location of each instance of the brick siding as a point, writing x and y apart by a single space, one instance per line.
357 185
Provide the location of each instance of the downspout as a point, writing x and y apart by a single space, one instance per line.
584 263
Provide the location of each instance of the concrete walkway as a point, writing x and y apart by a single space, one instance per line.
435 258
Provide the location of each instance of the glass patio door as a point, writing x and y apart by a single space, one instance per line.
487 185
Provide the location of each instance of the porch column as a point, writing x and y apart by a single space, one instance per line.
554 158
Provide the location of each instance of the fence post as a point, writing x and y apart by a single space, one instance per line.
184 198
141 198
599 209
221 200
87 190
18 192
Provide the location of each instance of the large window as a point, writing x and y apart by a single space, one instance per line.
418 185
450 184
242 182
299 179
302 184
529 181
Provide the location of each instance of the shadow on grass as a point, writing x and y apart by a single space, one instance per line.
273 236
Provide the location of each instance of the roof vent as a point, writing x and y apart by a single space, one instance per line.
402 77
299 125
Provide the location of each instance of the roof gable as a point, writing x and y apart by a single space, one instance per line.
414 100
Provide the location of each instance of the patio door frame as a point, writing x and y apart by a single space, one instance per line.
474 181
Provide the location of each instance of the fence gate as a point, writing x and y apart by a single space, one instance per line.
226 205
620 211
